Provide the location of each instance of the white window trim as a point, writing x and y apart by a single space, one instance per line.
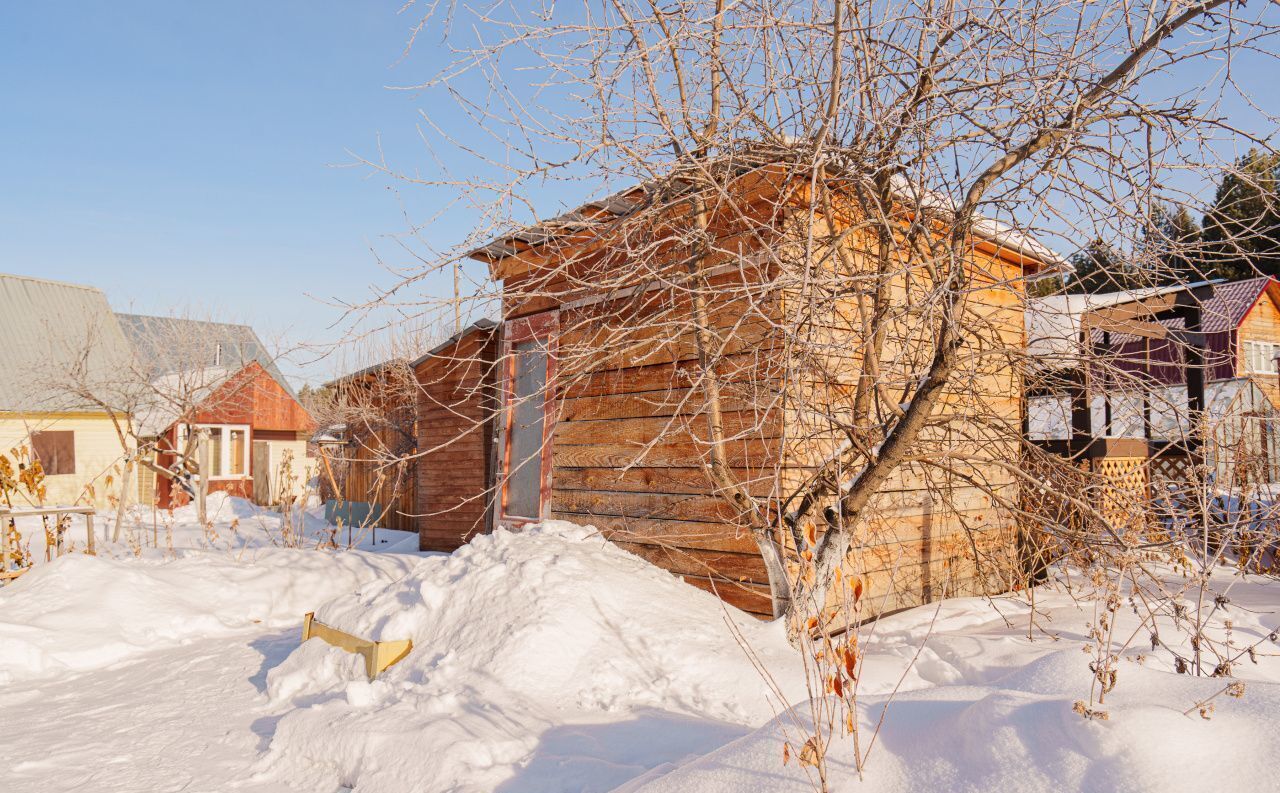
1260 357
224 431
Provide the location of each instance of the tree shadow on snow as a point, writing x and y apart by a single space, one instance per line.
592 758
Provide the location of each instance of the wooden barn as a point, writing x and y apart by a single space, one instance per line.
602 416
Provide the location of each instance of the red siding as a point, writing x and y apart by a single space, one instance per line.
253 397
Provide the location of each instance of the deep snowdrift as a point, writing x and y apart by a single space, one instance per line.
550 660
1019 734
83 612
547 659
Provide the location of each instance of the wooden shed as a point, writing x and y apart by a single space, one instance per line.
601 418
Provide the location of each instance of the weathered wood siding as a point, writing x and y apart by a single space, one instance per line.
630 444
453 473
253 397
933 531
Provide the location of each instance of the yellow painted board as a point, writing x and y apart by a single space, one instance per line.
377 655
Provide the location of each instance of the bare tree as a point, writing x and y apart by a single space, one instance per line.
155 398
805 202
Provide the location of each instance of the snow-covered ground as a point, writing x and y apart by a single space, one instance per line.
550 660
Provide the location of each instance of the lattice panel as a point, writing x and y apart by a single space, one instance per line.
1124 490
1170 474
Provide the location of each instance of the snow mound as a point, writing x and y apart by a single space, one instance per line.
52 619
968 739
543 655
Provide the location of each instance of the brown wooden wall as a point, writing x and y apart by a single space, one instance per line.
362 474
930 536
455 439
253 397
934 532
662 507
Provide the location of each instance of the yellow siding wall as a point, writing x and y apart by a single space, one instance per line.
98 453
1261 324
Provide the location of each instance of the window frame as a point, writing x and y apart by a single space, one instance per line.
224 458
31 438
545 328
1260 357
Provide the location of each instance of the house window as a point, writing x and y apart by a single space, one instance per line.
56 451
1260 357
228 449
528 372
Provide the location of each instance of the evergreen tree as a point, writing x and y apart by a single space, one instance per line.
1242 228
1044 287
1099 267
1174 243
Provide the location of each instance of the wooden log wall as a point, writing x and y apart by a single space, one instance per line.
630 443
934 530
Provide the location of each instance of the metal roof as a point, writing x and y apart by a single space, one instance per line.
478 325
1053 323
1230 303
50 329
173 344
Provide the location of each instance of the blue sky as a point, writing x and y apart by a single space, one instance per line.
187 157
180 156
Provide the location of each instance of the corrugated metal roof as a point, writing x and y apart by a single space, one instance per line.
1229 304
48 329
479 325
173 344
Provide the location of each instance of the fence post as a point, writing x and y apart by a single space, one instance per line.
4 544
88 524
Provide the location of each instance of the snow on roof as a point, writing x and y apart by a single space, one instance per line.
173 392
1053 323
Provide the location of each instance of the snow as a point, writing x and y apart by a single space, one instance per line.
551 660
569 655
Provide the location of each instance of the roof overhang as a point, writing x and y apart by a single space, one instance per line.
589 222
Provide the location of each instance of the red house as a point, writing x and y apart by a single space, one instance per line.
249 415
218 376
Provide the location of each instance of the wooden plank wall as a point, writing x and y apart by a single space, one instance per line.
455 437
655 499
931 532
360 469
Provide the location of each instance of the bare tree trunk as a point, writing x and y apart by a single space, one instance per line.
123 504
202 489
